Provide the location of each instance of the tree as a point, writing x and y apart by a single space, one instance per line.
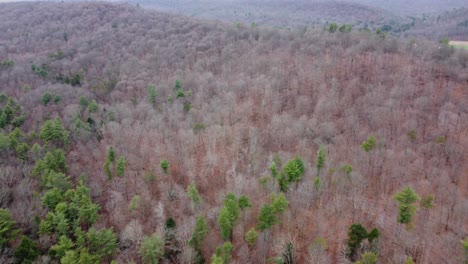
464 243
228 216
369 144
373 235
109 161
8 229
83 257
64 244
427 202
83 101
93 107
134 203
51 198
266 218
152 94
46 98
27 251
120 168
164 165
274 170
180 93
333 27
317 183
107 169
177 85
224 253
152 249
373 238
321 158
409 260
198 238
406 199
278 203
215 259
347 168
192 192
244 203
368 258
251 237
53 161
294 170
102 243
54 132
345 28
111 154
357 233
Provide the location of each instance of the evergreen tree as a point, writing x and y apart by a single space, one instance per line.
406 199
369 144
228 216
368 258
192 192
274 170
198 238
164 165
294 170
46 98
54 132
107 169
215 259
357 233
177 85
111 154
251 237
244 203
102 243
225 252
152 94
27 251
120 168
83 101
321 158
266 218
64 244
152 249
279 203
8 227
53 161
333 27
93 107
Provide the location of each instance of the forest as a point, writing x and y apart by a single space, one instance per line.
431 19
129 135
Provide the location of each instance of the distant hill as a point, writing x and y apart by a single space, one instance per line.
396 17
278 13
414 7
450 24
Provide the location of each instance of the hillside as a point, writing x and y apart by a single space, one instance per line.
119 122
434 19
280 13
450 24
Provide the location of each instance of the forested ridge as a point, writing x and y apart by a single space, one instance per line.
134 136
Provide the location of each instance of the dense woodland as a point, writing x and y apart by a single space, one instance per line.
432 19
133 136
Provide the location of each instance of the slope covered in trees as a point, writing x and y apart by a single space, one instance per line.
132 135
434 19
